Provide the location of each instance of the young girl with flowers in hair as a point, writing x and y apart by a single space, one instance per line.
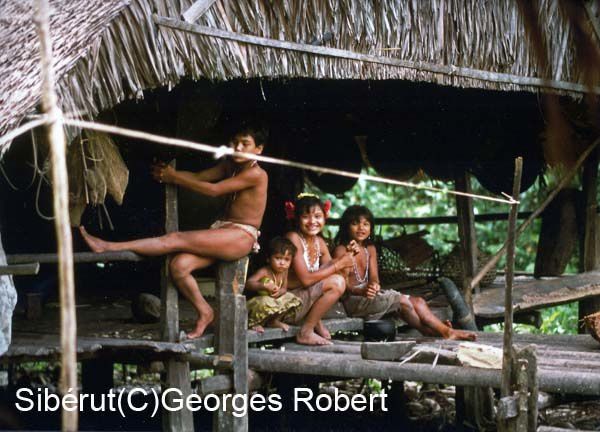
314 276
364 297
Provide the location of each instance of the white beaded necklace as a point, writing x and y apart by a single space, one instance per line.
362 282
314 266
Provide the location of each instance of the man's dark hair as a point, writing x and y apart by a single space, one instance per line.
281 245
260 134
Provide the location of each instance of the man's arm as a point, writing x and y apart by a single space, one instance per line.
244 180
164 173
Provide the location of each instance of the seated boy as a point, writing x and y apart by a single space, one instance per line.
273 303
230 238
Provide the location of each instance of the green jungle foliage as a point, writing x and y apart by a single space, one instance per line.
394 201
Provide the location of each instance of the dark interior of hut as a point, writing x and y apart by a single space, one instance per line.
404 127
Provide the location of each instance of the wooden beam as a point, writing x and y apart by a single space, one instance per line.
196 10
450 70
177 371
62 225
508 353
169 313
20 269
466 235
78 257
337 365
231 336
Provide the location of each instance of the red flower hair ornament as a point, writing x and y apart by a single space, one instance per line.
326 208
290 209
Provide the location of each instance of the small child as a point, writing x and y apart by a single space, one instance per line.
272 303
363 296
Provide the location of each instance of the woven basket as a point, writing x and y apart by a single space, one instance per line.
452 267
592 323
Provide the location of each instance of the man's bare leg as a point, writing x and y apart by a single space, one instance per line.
224 243
428 319
181 268
333 288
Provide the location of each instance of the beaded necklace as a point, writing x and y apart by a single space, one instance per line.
277 283
314 266
362 281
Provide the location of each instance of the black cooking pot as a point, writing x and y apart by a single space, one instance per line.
379 330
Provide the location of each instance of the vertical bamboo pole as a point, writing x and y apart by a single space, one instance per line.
56 138
508 352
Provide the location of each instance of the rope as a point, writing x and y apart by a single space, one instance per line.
22 129
221 151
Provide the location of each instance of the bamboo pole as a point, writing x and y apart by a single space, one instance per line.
564 181
452 70
508 355
56 138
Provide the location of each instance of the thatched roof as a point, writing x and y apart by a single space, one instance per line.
109 50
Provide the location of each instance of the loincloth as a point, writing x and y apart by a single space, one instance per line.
248 229
262 309
308 296
384 303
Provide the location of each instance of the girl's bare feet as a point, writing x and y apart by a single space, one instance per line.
203 321
278 324
310 338
461 335
96 245
322 331
258 329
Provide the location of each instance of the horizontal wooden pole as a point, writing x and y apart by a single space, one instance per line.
78 257
20 269
450 70
563 381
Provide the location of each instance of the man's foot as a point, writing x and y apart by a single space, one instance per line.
278 324
454 334
258 329
322 331
203 321
96 245
311 338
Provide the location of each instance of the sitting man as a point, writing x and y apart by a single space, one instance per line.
230 238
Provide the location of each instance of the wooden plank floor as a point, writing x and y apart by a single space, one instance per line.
533 294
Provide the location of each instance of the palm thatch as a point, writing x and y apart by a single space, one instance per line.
109 50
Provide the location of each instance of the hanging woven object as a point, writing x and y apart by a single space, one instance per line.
452 267
96 169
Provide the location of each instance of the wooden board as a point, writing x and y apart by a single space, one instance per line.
538 293
33 345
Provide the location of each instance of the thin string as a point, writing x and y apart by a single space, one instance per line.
219 152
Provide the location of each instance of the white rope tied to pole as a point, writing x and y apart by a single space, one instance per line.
221 151
22 129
